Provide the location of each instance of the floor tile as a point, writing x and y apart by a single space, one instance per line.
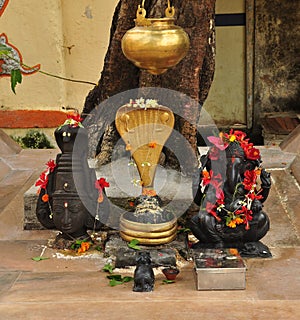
78 289
7 279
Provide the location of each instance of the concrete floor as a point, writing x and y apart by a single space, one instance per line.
77 288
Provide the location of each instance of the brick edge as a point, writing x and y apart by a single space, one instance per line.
31 119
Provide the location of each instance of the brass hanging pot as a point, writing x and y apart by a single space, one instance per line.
155 44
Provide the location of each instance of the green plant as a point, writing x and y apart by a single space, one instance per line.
133 244
33 139
108 268
116 279
40 257
166 281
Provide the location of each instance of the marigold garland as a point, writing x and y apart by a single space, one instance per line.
152 144
149 192
45 197
84 246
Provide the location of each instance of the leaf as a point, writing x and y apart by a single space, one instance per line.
108 268
182 230
133 244
165 281
114 282
127 279
15 77
39 258
76 245
116 277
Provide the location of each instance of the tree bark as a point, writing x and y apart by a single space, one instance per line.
192 76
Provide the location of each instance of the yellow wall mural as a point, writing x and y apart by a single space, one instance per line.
13 60
3 5
67 38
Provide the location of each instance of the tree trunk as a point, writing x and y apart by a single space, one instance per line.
192 76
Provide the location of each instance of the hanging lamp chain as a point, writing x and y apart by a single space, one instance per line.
168 1
141 12
170 11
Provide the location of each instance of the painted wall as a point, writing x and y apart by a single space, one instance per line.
277 60
226 102
68 38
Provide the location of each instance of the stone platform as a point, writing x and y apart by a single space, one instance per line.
60 288
174 189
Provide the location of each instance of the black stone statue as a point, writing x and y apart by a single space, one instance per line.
231 196
143 273
68 199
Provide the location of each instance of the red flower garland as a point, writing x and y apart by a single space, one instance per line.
243 214
100 184
43 180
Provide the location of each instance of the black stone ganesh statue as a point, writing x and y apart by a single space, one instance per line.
71 199
230 190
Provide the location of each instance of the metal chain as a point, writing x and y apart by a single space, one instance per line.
141 12
169 5
168 1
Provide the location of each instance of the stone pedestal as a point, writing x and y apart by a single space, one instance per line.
30 221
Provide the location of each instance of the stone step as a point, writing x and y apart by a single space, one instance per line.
8 145
9 185
30 221
277 127
4 169
292 141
